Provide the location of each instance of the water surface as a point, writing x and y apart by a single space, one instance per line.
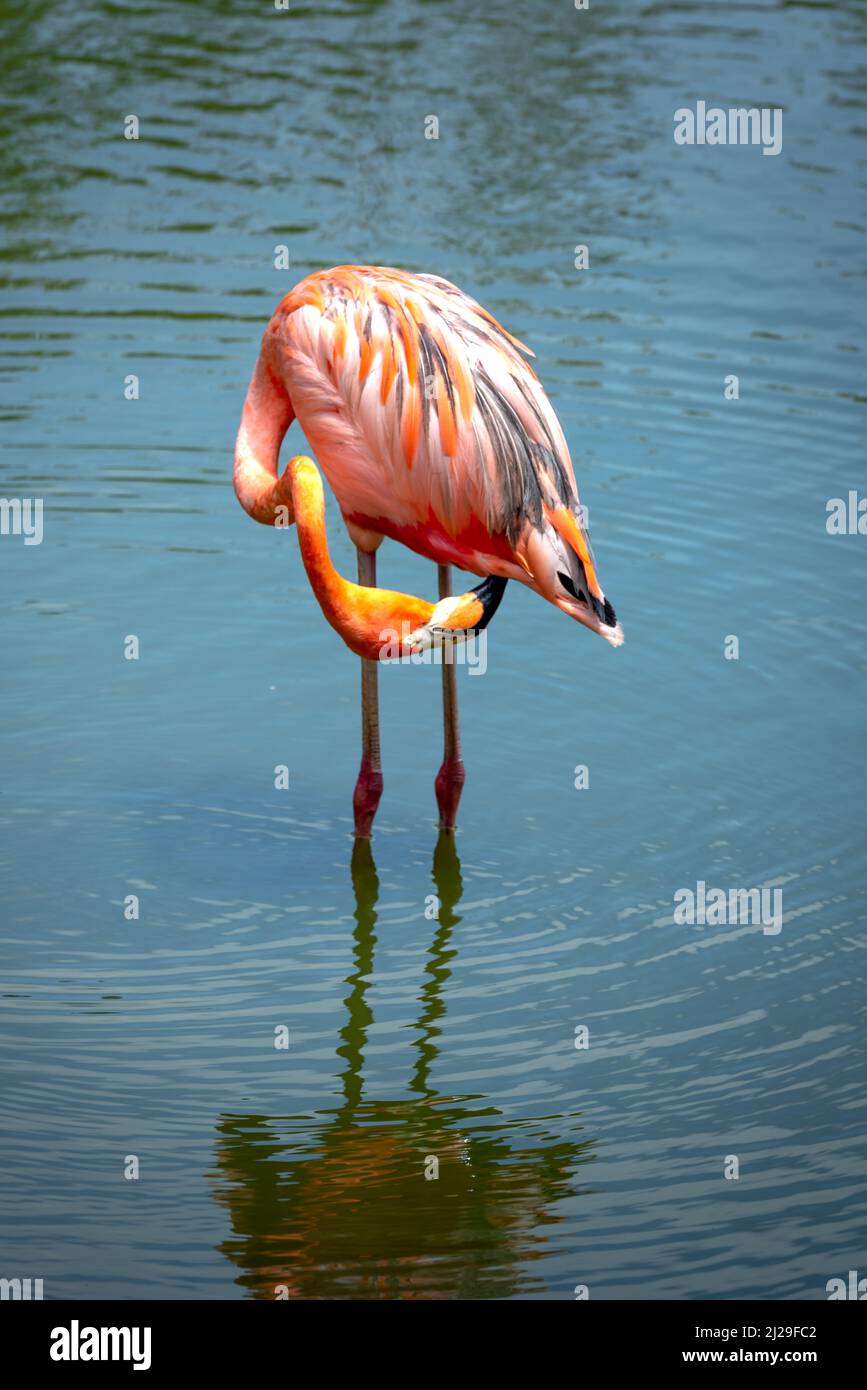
411 1036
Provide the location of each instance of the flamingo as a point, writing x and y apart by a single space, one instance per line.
432 429
376 623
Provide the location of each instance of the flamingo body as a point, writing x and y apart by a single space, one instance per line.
431 427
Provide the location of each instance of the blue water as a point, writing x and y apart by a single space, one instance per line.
302 1170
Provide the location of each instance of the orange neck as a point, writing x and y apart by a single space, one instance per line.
364 617
308 499
267 415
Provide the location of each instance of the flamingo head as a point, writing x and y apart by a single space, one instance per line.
461 618
567 579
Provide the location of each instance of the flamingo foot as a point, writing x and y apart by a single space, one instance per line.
365 798
448 786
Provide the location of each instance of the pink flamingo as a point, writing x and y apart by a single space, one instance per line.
434 430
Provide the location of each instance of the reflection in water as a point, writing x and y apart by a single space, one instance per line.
339 1206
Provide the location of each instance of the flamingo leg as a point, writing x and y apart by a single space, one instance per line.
368 788
452 774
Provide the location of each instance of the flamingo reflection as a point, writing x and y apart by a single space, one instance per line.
338 1206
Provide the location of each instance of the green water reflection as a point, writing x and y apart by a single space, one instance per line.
338 1205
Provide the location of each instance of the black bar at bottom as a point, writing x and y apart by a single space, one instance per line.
69 1338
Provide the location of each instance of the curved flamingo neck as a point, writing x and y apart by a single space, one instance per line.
363 616
308 500
266 417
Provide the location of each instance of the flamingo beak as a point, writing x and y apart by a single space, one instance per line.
458 619
599 618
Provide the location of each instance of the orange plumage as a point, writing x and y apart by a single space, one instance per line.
431 427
